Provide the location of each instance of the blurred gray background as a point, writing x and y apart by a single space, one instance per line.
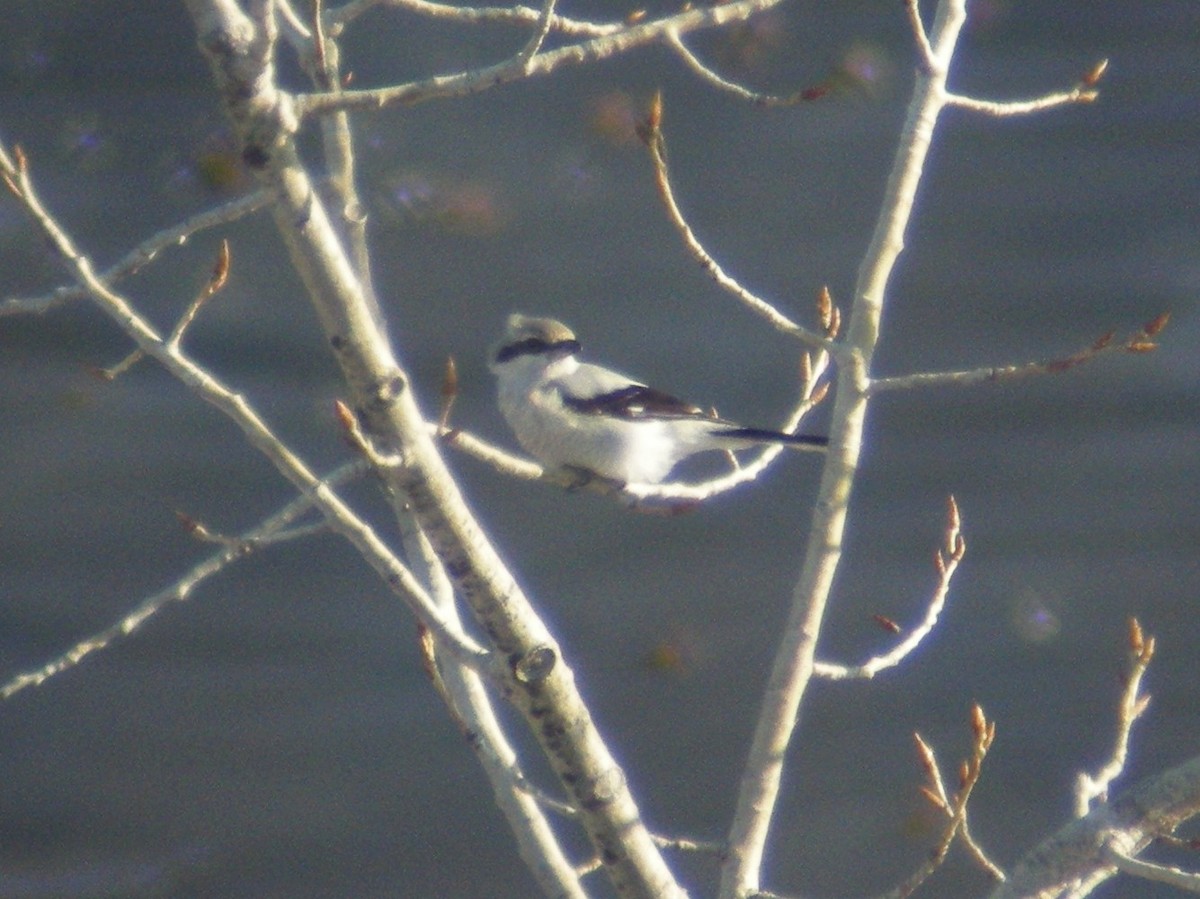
275 736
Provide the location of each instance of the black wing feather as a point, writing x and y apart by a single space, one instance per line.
634 402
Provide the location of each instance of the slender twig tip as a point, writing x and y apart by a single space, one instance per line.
648 128
1136 638
886 623
978 719
1092 78
1156 324
450 379
220 272
190 524
345 416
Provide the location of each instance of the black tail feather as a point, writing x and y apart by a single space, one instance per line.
801 441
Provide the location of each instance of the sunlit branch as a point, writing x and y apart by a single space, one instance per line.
542 28
694 63
1023 107
1187 881
1131 707
143 253
339 17
952 805
460 84
926 57
341 518
945 562
1141 342
275 529
651 133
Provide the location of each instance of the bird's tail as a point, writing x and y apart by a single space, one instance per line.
764 435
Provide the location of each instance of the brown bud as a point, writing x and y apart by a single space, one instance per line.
1156 324
1092 78
220 271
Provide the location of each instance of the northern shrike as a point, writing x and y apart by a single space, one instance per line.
572 414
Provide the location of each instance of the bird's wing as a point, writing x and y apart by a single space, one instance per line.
592 390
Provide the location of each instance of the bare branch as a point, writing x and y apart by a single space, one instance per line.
1083 92
449 393
1188 881
477 80
1081 854
758 99
502 460
545 19
651 133
115 371
792 668
953 805
1131 707
272 530
925 55
535 674
142 254
341 518
1141 342
470 15
946 563
220 274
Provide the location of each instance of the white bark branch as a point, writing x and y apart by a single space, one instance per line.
270 531
793 666
946 562
1079 857
465 83
141 255
536 677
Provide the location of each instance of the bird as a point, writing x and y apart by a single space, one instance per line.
581 417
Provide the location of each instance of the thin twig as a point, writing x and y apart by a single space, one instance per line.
688 844
218 279
926 57
475 81
142 254
945 562
294 25
694 63
272 530
471 15
529 51
500 459
953 805
1023 107
651 133
1141 342
1083 92
1131 707
1187 881
341 518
